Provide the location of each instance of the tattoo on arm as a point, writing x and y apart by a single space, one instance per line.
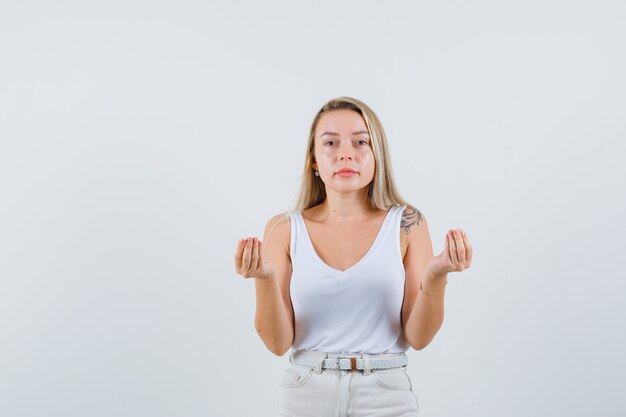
410 217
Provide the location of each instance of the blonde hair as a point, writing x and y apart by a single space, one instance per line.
382 191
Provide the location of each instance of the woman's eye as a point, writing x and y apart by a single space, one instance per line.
330 142
362 142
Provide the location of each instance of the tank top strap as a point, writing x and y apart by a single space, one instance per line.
293 227
398 215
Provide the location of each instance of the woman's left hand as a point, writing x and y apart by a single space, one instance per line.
456 257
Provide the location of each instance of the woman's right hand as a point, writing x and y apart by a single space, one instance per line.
249 261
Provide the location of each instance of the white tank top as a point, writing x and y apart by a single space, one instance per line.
353 311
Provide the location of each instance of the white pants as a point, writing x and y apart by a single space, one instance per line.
308 391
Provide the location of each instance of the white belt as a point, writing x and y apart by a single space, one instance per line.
353 362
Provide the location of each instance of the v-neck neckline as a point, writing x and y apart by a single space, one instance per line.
360 261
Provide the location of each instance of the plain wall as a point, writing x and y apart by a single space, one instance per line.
140 140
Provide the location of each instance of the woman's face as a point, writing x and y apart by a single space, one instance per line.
343 142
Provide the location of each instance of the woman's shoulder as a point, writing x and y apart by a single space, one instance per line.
279 221
278 231
411 218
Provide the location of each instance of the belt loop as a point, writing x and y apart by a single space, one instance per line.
366 364
317 368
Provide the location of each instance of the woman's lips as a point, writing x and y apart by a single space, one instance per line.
346 173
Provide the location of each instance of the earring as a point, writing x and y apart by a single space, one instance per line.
317 173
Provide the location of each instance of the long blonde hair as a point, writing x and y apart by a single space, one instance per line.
382 191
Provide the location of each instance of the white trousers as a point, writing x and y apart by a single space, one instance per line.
309 391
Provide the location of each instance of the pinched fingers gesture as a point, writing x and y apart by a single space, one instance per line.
456 257
249 261
459 249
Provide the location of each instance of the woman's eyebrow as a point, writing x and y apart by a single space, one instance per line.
337 134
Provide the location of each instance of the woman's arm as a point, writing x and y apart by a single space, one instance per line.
427 313
274 313
422 315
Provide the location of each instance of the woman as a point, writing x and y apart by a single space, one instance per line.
348 279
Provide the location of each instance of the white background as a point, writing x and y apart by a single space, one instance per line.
140 140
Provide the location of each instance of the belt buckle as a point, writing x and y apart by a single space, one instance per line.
353 360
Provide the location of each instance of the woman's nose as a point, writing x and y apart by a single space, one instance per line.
346 152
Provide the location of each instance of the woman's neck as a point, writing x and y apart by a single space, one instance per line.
345 207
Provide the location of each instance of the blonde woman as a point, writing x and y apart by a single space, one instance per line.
348 279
